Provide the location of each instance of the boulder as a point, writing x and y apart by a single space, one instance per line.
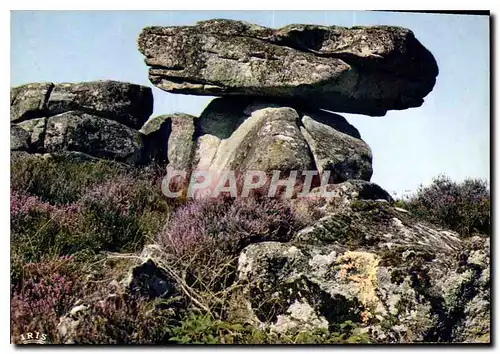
344 156
338 195
276 144
223 116
156 132
19 139
205 150
92 135
397 278
181 142
123 102
365 70
29 101
267 140
36 129
261 135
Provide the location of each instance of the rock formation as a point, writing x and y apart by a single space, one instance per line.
366 260
365 70
246 134
98 118
371 263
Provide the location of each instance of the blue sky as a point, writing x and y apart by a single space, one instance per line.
448 135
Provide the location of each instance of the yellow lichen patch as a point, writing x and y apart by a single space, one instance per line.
365 316
360 269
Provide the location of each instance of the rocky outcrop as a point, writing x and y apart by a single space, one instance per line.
19 139
95 136
365 70
361 260
334 196
257 135
397 278
400 279
29 101
122 102
95 118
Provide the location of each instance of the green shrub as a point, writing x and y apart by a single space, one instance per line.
120 214
110 209
125 319
38 230
48 290
59 180
463 207
204 329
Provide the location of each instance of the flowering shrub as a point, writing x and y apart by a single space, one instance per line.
463 207
119 214
127 194
47 292
38 229
206 236
123 319
227 223
59 180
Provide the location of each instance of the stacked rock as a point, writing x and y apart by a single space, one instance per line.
275 87
100 118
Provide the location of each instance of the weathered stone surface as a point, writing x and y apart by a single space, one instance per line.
149 280
277 143
19 139
248 146
126 103
343 194
241 134
96 136
156 132
399 279
36 129
170 138
154 124
181 142
29 101
344 156
366 70
205 150
333 120
223 116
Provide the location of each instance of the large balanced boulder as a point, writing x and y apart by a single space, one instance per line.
397 278
366 70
